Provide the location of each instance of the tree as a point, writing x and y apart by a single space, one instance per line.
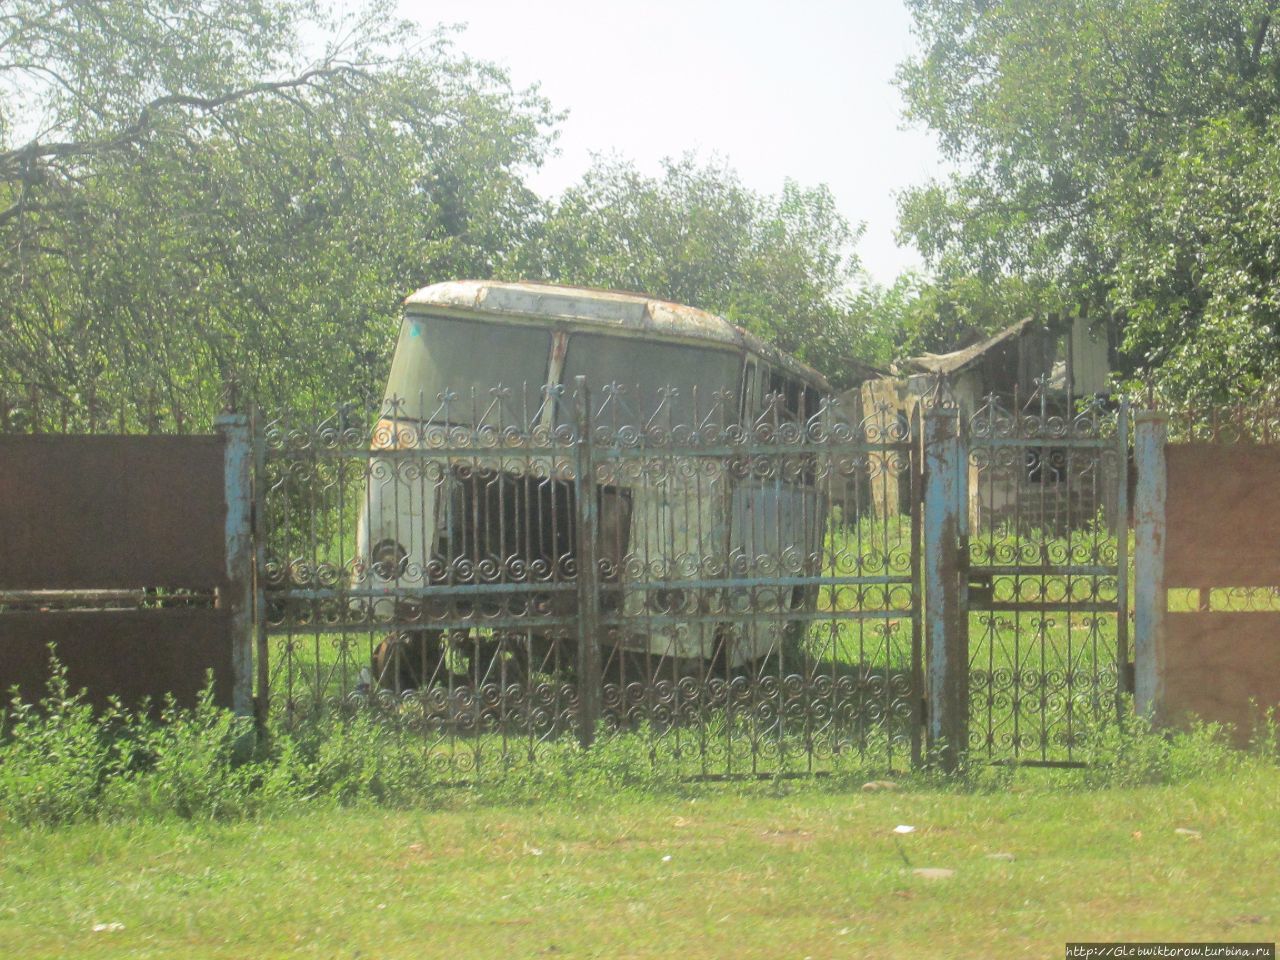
192 198
1197 257
1060 115
781 266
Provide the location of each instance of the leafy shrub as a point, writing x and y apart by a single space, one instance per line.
56 755
61 762
188 764
1134 753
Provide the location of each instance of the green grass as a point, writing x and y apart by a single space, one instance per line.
761 871
340 839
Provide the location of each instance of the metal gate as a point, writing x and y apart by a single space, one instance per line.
130 557
505 576
1047 553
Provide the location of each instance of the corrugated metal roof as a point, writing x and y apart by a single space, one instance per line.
605 308
958 360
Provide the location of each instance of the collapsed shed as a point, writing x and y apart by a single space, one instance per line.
1030 366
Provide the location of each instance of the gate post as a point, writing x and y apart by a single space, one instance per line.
262 699
238 494
589 680
1149 600
946 649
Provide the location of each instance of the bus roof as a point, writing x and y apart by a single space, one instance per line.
633 313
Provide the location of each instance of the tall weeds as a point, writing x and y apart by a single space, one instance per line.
60 761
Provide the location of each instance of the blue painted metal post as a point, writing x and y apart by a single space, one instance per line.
1120 525
590 684
1150 431
238 600
947 658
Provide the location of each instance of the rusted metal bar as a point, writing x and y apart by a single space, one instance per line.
1150 603
63 598
238 601
948 661
588 568
1121 525
262 698
916 467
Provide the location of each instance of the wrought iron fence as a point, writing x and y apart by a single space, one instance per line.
516 567
1048 569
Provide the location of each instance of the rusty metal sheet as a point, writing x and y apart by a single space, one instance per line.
111 511
1215 663
1222 516
128 653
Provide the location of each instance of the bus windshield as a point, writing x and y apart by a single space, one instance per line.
644 367
435 355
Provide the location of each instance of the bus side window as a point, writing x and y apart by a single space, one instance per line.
790 390
811 403
760 392
777 387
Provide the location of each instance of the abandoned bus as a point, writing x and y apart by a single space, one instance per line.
509 519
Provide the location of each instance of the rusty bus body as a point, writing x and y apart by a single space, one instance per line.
502 518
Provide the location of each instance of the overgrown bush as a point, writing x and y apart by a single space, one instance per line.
56 756
188 763
60 761
1136 754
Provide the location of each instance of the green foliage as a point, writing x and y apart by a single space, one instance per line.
918 314
60 763
1198 248
1109 154
191 194
777 265
56 756
187 764
1135 753
219 203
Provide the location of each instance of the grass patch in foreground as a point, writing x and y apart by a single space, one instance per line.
748 870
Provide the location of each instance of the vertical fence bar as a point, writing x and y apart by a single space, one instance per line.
589 678
1150 603
263 702
1124 676
238 492
918 711
948 661
964 511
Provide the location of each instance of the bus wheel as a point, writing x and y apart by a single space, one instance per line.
408 661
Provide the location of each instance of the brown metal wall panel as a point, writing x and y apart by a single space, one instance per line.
111 511
1215 663
1222 516
129 653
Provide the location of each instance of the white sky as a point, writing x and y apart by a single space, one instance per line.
796 89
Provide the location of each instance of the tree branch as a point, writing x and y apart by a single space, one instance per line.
1259 38
14 163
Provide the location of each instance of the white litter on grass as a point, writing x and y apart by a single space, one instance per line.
535 851
108 927
904 828
667 858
